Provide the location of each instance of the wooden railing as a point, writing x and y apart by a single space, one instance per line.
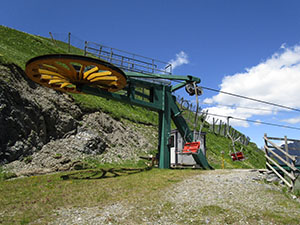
281 165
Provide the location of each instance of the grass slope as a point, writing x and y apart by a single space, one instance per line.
216 144
18 47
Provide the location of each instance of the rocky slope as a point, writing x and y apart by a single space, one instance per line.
44 130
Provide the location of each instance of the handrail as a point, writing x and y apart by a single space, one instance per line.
145 57
128 61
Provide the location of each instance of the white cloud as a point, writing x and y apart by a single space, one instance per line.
181 59
276 80
224 112
292 120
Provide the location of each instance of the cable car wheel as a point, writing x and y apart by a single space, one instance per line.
68 73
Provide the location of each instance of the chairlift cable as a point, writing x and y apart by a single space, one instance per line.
252 99
257 122
244 107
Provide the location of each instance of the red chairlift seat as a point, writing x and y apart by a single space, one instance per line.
191 147
237 156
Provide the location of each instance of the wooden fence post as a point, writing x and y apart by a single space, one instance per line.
220 126
85 48
69 42
266 146
286 147
244 140
288 160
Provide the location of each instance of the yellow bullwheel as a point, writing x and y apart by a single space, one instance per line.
68 73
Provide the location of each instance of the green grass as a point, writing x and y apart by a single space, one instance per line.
92 162
28 199
217 144
18 47
116 109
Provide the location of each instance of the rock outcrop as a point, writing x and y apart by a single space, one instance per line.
41 123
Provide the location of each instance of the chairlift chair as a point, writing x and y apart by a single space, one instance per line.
191 147
237 156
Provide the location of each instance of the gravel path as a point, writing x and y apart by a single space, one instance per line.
212 197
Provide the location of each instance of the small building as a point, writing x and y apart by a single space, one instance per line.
177 158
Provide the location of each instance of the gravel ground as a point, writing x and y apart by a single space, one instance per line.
212 197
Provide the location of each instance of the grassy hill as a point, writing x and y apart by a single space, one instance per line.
18 47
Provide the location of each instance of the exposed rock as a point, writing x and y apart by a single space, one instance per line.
272 178
50 128
31 115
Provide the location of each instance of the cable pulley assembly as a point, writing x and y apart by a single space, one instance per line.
191 89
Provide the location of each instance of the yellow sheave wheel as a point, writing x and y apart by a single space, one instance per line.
68 72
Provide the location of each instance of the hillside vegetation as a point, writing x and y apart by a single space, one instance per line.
17 48
104 139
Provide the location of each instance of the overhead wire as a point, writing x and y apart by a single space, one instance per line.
252 99
255 121
256 100
244 107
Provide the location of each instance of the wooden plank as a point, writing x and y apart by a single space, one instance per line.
278 174
280 167
286 148
278 148
275 138
282 139
270 146
287 163
266 146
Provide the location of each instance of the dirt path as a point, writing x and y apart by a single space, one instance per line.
212 197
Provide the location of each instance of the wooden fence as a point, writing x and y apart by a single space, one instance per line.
280 161
219 127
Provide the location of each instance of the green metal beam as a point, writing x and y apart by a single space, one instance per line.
186 133
160 99
163 76
179 121
178 86
164 131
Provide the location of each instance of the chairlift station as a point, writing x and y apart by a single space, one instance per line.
113 74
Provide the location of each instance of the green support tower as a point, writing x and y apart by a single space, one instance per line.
86 75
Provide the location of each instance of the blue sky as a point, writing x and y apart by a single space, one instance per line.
254 44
